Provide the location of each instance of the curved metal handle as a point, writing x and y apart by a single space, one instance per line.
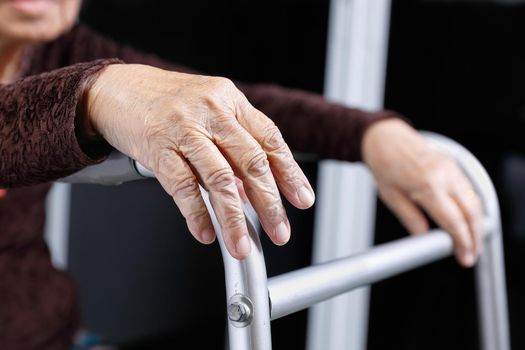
490 269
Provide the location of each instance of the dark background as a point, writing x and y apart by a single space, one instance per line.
458 69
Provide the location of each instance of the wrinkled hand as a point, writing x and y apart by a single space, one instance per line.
412 176
191 129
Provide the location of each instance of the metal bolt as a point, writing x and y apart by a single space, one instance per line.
240 310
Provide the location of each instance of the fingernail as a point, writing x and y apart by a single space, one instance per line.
208 235
469 259
282 234
243 247
306 196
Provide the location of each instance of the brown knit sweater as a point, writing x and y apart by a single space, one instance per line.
39 144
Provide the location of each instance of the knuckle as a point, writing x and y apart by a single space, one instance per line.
234 220
436 171
273 140
258 165
292 175
220 85
165 162
225 83
219 94
427 187
275 212
185 187
221 178
455 225
223 125
187 139
197 151
197 215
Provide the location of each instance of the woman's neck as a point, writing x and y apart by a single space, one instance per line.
10 62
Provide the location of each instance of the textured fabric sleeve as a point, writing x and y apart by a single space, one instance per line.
38 142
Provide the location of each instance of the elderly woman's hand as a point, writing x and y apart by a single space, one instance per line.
412 175
189 129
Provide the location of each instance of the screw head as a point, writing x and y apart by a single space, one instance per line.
240 310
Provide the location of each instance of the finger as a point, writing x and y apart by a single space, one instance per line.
178 180
406 211
218 178
447 214
251 165
470 205
240 188
290 178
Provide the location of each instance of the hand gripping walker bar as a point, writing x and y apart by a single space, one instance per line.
253 300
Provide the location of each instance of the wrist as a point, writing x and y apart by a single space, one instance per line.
84 126
377 133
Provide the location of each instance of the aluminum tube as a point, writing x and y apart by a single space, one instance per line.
117 169
142 170
247 278
492 298
356 57
297 290
56 230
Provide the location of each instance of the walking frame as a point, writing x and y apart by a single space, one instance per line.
253 300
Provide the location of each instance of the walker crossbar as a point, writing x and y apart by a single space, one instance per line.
253 299
300 289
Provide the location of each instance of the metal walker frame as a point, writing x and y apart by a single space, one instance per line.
253 300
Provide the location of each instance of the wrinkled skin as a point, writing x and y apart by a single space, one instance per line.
189 129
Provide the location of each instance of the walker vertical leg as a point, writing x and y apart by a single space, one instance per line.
490 270
56 231
492 298
355 75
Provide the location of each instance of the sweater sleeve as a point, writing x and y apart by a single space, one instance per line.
38 142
